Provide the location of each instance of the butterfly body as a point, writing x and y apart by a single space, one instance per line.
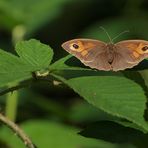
110 52
108 56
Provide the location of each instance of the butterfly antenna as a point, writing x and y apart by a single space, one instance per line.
107 34
120 34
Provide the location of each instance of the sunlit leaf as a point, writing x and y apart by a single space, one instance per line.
33 56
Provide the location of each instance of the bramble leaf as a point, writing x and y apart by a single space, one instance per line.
33 56
34 53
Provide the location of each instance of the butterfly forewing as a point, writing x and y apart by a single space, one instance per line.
90 52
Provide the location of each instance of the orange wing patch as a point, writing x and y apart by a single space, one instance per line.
87 47
136 55
84 53
132 46
81 47
137 49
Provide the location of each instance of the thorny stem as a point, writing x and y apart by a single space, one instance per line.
18 131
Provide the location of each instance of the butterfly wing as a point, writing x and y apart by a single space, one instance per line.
91 53
129 53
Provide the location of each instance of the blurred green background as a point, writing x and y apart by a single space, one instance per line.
54 22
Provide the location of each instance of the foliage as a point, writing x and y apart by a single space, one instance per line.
111 92
68 105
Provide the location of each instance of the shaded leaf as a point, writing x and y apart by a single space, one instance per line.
113 132
83 112
49 134
60 65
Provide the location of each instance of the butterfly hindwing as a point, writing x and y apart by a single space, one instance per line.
129 53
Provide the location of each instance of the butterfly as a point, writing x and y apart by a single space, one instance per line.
108 56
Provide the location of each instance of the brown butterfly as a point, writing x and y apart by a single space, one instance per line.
108 56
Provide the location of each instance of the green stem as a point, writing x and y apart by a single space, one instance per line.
18 34
11 105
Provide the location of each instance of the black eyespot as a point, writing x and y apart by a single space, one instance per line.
75 46
145 48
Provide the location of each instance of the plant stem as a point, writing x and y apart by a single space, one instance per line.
18 131
18 33
13 88
11 105
12 100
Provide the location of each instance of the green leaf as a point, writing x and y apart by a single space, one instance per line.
113 132
83 112
115 95
12 69
46 134
34 56
144 74
34 53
